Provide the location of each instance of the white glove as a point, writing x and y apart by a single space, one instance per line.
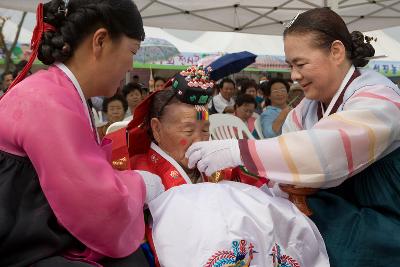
212 156
154 186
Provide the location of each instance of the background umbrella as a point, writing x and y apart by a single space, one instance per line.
155 49
231 63
208 59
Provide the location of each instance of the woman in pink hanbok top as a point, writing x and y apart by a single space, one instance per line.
62 203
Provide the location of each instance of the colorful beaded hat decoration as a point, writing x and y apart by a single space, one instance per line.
194 87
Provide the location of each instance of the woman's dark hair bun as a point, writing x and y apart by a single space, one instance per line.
79 18
327 26
361 49
52 43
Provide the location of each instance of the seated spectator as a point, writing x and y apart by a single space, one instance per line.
239 81
244 109
135 79
260 95
115 108
275 114
145 92
250 87
296 94
133 95
263 79
158 84
265 102
6 78
223 102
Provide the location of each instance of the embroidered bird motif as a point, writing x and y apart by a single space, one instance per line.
279 260
236 257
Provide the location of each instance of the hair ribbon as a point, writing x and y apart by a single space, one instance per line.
40 28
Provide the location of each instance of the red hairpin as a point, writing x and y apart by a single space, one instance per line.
40 28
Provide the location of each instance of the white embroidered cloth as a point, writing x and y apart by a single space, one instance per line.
232 224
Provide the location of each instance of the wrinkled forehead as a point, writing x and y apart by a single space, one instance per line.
115 103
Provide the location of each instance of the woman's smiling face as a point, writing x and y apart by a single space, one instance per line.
313 68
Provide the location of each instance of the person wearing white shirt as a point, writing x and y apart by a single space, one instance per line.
223 102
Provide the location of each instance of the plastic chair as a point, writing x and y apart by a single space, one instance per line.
255 115
129 118
227 126
116 125
258 127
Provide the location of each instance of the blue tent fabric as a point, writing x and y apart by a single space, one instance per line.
230 63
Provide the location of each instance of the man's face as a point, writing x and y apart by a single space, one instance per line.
227 91
8 79
178 129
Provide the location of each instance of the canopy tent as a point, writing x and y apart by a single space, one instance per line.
263 17
181 45
9 30
231 42
250 16
385 45
273 45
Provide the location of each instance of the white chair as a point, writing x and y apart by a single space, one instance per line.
227 126
258 127
116 126
129 118
255 115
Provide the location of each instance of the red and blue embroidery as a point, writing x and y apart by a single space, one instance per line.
279 260
236 257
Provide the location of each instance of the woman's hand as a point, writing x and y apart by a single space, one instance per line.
280 120
297 195
212 156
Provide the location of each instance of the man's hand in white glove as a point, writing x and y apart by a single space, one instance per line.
154 186
212 156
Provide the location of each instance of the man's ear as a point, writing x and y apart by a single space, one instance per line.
338 52
155 125
99 38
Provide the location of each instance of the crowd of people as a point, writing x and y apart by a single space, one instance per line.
160 192
271 100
